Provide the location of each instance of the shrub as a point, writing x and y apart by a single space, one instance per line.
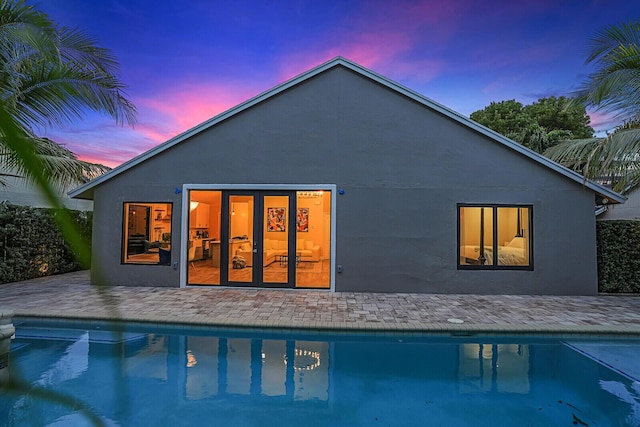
31 244
618 244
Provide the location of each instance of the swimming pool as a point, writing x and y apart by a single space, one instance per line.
171 375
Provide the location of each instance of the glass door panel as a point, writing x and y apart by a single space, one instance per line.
204 245
313 239
241 239
275 244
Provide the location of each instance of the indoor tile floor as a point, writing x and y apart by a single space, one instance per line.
71 296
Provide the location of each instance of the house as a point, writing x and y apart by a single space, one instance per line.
630 210
341 179
19 191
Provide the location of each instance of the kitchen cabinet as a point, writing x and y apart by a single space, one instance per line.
200 216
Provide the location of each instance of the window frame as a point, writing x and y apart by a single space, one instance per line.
123 232
495 265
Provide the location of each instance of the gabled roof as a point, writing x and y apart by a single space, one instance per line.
86 190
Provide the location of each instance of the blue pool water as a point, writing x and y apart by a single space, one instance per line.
176 376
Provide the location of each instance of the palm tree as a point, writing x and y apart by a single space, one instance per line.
50 76
615 84
613 87
613 160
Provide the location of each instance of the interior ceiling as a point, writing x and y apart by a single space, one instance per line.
209 197
213 197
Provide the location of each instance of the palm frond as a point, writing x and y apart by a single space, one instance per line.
40 64
79 48
61 165
23 24
613 160
615 84
51 96
52 76
612 36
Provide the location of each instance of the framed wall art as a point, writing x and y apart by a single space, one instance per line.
276 219
302 219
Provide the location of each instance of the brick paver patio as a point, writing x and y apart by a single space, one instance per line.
71 296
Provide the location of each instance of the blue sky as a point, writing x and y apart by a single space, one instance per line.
184 62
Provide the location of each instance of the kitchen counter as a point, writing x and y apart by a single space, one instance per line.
214 250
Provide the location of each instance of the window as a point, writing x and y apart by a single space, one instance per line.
494 237
147 233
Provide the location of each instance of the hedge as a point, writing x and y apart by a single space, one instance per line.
618 244
31 244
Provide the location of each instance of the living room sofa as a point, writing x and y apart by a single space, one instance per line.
274 249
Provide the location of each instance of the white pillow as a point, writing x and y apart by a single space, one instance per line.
282 244
308 244
245 247
517 242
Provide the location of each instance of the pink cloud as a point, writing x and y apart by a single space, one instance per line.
602 122
186 105
382 37
109 145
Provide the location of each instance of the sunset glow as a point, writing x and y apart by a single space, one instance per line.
185 62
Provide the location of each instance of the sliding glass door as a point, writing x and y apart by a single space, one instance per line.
266 238
258 225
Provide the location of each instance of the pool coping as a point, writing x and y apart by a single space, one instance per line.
459 329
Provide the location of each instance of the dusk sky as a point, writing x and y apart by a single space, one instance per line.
186 61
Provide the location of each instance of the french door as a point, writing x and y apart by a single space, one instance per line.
258 244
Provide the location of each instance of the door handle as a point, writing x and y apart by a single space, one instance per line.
255 251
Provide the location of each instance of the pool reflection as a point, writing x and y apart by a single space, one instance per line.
494 367
239 366
211 367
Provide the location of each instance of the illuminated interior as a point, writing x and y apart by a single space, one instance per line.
508 235
305 246
147 233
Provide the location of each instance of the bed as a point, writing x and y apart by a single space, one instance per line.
511 254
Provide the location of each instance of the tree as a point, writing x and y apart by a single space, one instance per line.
560 117
50 76
539 125
505 117
613 87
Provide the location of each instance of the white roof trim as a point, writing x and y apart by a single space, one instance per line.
601 190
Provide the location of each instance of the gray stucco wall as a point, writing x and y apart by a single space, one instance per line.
404 169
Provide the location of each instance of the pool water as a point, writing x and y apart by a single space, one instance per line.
148 375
